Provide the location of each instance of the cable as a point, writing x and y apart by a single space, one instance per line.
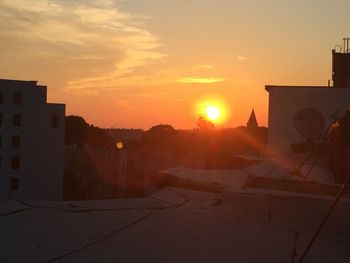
329 213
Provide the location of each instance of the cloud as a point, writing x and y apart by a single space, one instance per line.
90 43
241 58
123 104
200 80
204 66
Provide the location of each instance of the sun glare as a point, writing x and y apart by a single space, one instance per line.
212 112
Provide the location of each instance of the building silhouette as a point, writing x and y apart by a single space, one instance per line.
289 107
32 142
341 65
252 123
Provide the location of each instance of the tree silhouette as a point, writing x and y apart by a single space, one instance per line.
204 139
79 132
160 137
162 129
203 124
76 128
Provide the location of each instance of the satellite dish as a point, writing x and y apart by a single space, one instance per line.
310 123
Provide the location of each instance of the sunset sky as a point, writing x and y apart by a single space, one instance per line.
135 64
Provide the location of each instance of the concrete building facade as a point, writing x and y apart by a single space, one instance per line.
290 105
32 142
286 101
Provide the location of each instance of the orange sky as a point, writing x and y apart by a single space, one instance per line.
131 63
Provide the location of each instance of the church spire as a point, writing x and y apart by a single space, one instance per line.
252 122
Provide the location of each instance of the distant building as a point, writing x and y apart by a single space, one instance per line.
252 123
32 142
287 104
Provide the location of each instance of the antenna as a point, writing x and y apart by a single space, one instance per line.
346 44
338 48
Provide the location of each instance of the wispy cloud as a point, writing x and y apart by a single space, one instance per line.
204 66
92 43
200 80
242 58
124 104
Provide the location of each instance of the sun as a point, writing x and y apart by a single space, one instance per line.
212 109
212 112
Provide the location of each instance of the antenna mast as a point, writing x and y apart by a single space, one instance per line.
346 44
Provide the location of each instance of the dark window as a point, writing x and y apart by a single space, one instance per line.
0 119
1 97
0 140
16 141
14 184
17 98
15 162
55 121
16 119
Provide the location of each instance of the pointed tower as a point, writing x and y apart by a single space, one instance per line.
252 124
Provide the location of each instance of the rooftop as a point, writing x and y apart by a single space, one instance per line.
270 87
236 224
18 82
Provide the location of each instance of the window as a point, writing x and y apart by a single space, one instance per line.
15 162
16 119
55 121
0 140
14 184
16 141
17 98
1 97
0 119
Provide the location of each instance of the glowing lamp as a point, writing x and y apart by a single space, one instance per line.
119 145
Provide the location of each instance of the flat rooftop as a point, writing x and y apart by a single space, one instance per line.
176 224
270 87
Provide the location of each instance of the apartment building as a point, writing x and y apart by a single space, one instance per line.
31 142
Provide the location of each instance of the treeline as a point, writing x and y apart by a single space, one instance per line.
92 160
165 138
80 133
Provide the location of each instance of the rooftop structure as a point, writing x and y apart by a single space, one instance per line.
32 141
286 103
341 65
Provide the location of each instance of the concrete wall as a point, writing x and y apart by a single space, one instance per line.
41 150
284 102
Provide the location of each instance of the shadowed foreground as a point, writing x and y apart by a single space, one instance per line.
176 225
